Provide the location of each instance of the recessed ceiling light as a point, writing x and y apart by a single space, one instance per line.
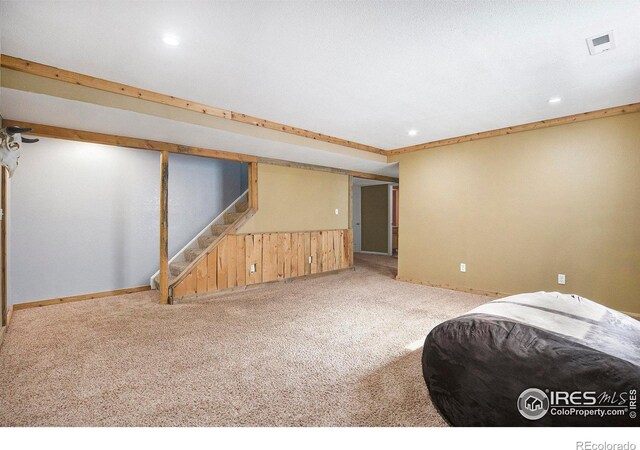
171 40
555 100
413 132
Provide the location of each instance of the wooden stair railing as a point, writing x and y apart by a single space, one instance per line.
227 222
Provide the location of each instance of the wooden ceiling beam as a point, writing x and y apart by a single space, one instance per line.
54 73
158 146
353 173
123 141
599 114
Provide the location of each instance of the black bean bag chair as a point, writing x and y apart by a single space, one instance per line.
542 359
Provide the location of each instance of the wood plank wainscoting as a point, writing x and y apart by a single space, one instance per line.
246 259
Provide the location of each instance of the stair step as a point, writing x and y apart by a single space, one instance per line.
191 254
242 206
229 218
177 268
206 241
218 229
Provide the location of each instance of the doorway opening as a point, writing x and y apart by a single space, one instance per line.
375 217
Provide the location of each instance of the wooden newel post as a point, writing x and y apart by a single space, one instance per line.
164 227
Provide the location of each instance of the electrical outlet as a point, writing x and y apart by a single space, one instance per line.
463 267
310 259
337 211
252 269
561 278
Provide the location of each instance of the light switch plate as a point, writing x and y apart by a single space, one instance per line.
252 269
463 267
561 278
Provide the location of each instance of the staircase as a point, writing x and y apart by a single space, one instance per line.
227 222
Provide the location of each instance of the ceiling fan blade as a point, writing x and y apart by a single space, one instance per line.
15 130
29 140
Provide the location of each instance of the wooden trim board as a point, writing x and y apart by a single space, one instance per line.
159 146
574 118
77 298
297 165
253 185
164 228
54 73
481 292
251 287
123 141
454 288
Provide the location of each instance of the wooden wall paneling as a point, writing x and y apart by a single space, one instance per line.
222 264
307 252
231 261
350 246
322 249
344 251
179 290
201 276
269 257
241 262
258 249
302 262
248 254
212 270
322 258
327 251
287 254
294 255
190 284
277 256
337 250
266 259
281 254
253 244
315 239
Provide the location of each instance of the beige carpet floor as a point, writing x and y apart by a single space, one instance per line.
326 351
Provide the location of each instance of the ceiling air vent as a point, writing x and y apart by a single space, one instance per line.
601 43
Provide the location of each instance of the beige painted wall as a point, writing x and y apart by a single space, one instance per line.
519 209
291 199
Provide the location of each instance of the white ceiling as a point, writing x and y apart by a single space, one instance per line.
365 71
44 109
